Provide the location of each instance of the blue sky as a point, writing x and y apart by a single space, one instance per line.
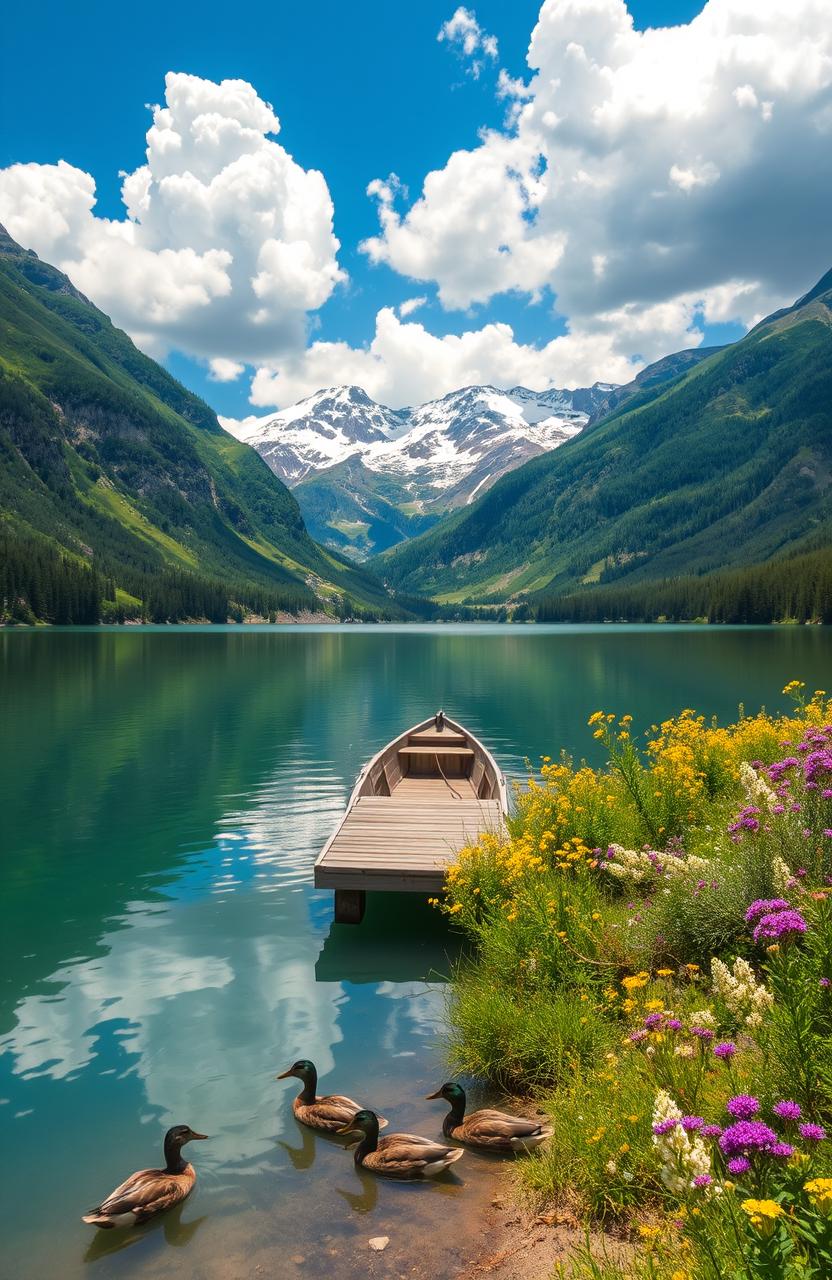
361 90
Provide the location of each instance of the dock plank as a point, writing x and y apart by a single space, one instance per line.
404 841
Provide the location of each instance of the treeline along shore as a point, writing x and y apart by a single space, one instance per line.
41 584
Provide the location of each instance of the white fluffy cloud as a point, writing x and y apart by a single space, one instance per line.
644 167
463 32
227 242
405 364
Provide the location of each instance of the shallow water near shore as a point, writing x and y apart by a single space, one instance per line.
164 793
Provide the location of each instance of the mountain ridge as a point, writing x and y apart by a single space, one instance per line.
407 466
728 464
108 458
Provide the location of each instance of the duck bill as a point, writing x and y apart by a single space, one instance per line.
199 1137
429 1097
284 1075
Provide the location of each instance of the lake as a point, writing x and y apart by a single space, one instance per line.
164 793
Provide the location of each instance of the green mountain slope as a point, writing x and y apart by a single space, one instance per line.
109 458
729 465
354 508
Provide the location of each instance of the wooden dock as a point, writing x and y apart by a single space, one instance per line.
415 805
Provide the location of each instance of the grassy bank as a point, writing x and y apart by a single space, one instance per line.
652 958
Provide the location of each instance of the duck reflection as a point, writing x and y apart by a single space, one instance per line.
178 1234
365 1200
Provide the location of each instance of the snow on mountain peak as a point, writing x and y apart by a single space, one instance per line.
440 454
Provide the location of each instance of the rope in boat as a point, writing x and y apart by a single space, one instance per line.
445 780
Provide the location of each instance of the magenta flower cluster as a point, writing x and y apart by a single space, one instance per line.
787 1110
775 920
742 1107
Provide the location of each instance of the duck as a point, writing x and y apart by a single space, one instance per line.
398 1155
150 1191
328 1113
491 1130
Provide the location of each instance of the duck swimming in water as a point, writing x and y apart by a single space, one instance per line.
492 1130
399 1155
150 1191
329 1113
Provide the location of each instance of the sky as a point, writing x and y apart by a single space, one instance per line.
416 197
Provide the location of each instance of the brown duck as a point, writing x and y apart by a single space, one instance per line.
491 1130
329 1113
150 1191
399 1155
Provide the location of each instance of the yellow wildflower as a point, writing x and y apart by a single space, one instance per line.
763 1214
820 1190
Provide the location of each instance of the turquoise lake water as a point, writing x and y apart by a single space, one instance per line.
164 793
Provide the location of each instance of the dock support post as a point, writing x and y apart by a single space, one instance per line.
349 906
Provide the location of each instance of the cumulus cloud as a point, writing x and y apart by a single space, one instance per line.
221 370
227 242
463 32
642 168
406 364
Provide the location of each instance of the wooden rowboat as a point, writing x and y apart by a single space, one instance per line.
421 798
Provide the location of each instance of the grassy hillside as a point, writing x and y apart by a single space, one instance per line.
106 456
728 466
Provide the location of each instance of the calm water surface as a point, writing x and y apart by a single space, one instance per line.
163 795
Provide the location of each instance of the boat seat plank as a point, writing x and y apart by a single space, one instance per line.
432 737
436 751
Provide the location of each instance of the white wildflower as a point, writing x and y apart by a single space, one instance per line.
684 1051
702 1018
638 866
757 791
781 875
683 1156
746 998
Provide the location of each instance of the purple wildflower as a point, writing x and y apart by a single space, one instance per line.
725 1050
653 1020
782 1150
704 1033
824 982
702 1180
812 1132
764 906
673 1024
639 1034
742 1107
747 1136
787 1110
664 1126
779 926
691 1124
740 1164
711 1131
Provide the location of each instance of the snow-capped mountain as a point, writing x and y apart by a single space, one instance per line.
318 432
367 476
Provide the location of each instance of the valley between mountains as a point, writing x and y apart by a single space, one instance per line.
701 489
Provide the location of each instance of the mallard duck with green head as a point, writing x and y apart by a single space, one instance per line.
489 1129
329 1113
399 1155
150 1191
